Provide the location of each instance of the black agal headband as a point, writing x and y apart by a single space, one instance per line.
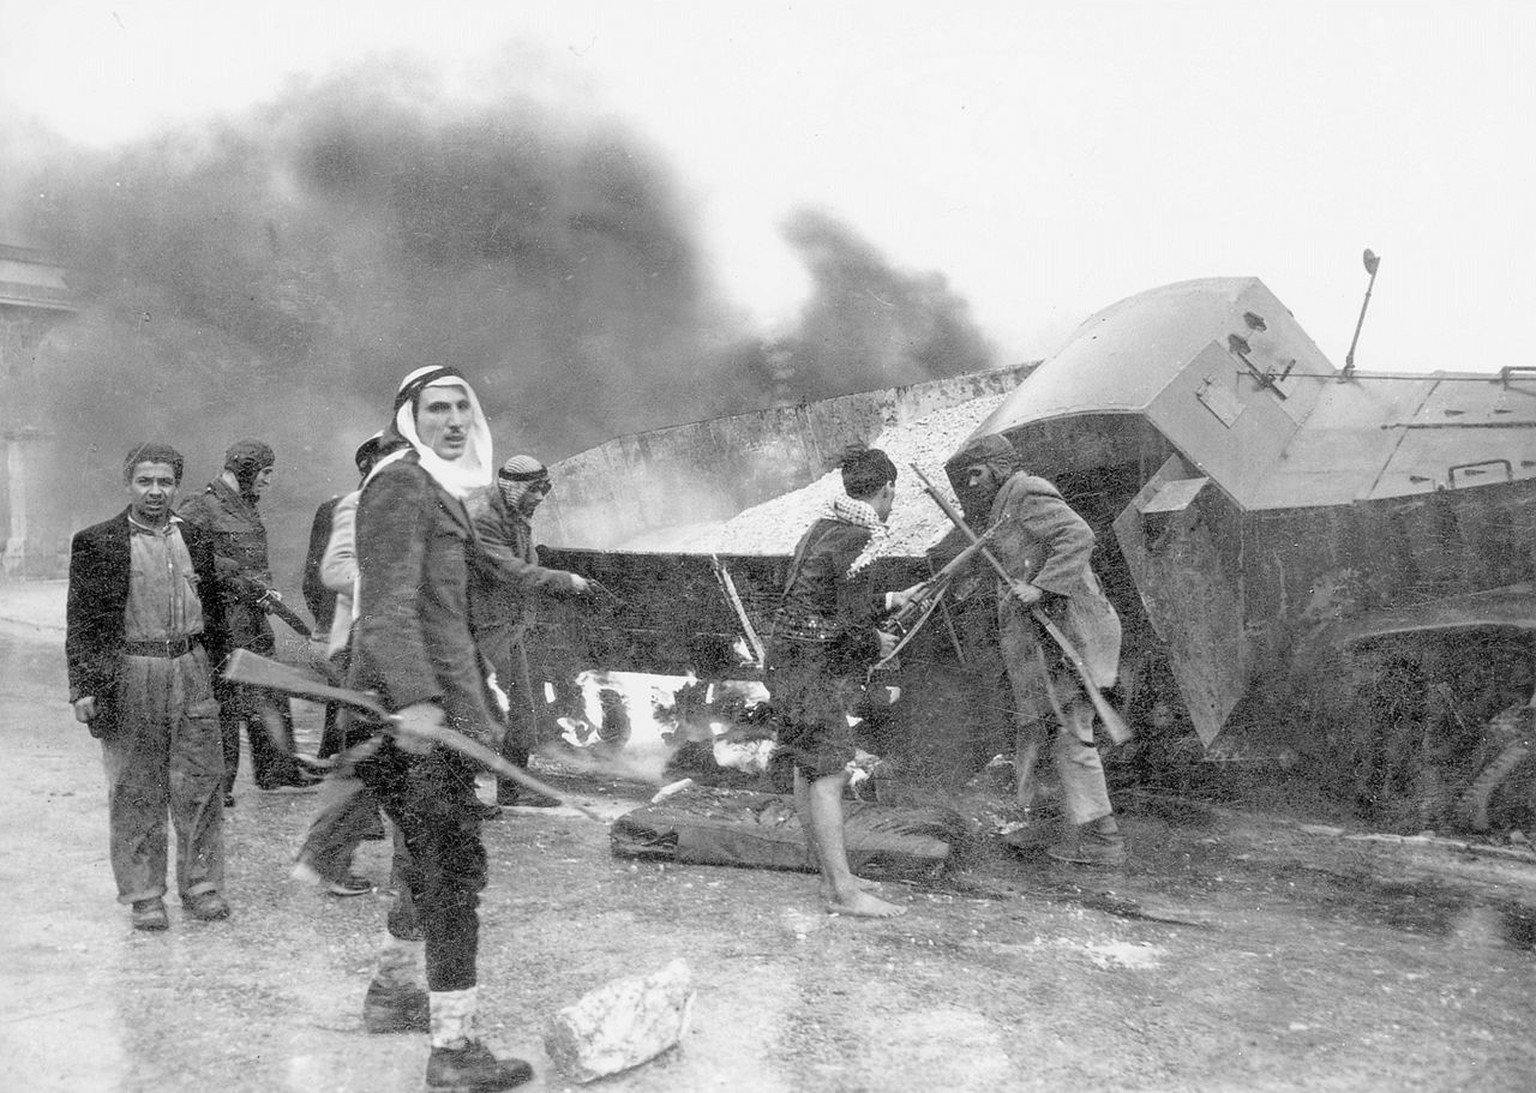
410 392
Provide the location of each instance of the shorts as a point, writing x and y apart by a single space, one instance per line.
810 707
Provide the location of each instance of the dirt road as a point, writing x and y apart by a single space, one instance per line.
1236 952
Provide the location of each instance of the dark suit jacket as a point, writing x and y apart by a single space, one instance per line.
98 597
413 641
320 600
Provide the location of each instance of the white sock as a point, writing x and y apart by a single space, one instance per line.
453 1017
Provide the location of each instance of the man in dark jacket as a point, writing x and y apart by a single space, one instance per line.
226 510
144 620
320 600
823 642
414 645
504 598
1045 547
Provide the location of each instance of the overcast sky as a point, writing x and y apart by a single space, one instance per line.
1047 158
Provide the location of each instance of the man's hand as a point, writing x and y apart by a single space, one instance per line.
85 709
414 725
895 601
1026 593
580 585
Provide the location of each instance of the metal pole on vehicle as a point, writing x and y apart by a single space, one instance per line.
1371 264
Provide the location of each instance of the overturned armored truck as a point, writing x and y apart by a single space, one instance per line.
1327 569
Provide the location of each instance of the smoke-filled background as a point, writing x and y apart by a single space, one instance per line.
274 274
710 206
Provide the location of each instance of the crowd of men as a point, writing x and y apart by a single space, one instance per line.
423 580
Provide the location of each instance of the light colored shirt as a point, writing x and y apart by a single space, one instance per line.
162 586
338 570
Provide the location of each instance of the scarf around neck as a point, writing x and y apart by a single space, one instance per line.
848 510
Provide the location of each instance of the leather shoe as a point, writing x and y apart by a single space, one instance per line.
209 907
1098 842
149 914
350 885
294 775
396 1009
473 1067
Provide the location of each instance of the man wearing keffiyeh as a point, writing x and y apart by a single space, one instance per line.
506 595
823 642
414 644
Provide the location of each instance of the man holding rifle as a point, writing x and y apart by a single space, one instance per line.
414 646
226 510
825 638
1044 547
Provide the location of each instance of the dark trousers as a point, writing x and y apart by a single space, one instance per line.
333 736
348 812
331 742
522 727
431 801
263 718
347 815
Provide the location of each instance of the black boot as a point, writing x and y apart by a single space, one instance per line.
1097 842
395 1009
473 1069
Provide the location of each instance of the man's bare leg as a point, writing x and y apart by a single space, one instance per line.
825 830
803 807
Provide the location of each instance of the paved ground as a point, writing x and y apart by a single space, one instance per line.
1235 952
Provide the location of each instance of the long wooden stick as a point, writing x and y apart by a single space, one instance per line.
1114 724
728 586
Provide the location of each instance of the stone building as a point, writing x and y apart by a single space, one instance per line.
34 299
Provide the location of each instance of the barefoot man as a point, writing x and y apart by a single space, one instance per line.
824 640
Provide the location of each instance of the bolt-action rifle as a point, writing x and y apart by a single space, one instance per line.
254 670
906 620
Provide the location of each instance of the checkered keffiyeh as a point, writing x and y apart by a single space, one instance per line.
862 514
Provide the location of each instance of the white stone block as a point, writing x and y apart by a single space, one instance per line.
622 1024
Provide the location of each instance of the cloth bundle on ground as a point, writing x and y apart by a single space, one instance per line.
761 830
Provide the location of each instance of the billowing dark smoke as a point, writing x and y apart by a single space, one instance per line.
868 326
274 275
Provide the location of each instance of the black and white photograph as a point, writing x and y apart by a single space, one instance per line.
767 547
